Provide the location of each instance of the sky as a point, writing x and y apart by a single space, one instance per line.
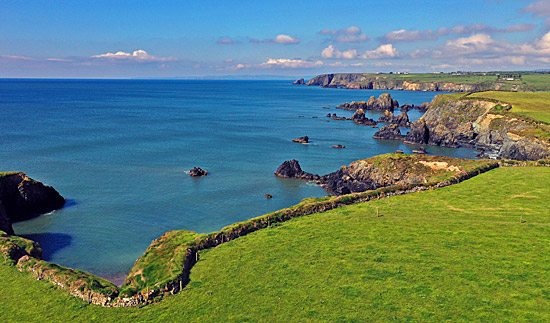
207 38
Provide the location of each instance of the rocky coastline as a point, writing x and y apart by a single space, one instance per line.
360 81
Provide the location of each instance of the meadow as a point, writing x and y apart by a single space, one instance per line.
475 251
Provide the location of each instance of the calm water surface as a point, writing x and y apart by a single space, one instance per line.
119 152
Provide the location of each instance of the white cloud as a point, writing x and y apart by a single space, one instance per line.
283 39
352 30
538 9
351 34
16 58
383 51
137 56
404 35
281 63
332 52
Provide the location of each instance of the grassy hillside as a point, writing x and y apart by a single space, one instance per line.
535 105
530 81
476 251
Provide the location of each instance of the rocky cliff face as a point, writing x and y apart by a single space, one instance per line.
487 126
359 81
292 169
383 103
22 198
392 169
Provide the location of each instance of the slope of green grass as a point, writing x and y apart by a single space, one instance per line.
476 251
535 105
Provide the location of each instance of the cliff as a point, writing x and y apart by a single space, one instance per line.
22 198
385 82
487 125
394 169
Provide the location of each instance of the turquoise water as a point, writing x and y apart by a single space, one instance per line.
119 152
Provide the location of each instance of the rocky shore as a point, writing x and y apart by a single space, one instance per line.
360 81
482 124
22 198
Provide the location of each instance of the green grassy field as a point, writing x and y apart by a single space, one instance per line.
475 251
535 105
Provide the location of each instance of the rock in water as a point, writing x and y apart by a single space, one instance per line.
197 171
292 169
299 82
302 140
23 198
420 151
389 132
268 196
402 120
339 147
419 133
360 118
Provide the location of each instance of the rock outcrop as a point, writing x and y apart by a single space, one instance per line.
388 170
360 118
301 140
402 119
292 169
383 82
23 198
299 82
389 132
197 171
488 126
382 103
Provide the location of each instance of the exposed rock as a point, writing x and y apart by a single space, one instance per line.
328 115
326 108
389 132
420 151
383 103
406 107
299 82
5 222
381 82
360 118
197 171
268 196
338 147
388 170
335 117
419 133
402 120
292 169
24 198
301 140
423 107
398 151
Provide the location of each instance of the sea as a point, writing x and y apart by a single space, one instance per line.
119 151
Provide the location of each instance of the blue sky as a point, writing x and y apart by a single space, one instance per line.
120 39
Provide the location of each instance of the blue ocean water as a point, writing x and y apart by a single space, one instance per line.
118 150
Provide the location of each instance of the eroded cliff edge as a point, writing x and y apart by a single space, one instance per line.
22 198
487 125
382 82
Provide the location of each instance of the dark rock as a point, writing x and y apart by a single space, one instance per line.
402 120
300 116
335 117
389 132
197 171
338 147
420 151
328 115
23 198
326 108
419 133
406 108
268 196
423 107
399 151
302 140
360 118
299 82
383 103
292 169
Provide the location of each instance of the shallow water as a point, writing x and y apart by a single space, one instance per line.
119 152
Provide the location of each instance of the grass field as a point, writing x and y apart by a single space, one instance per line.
459 253
535 105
